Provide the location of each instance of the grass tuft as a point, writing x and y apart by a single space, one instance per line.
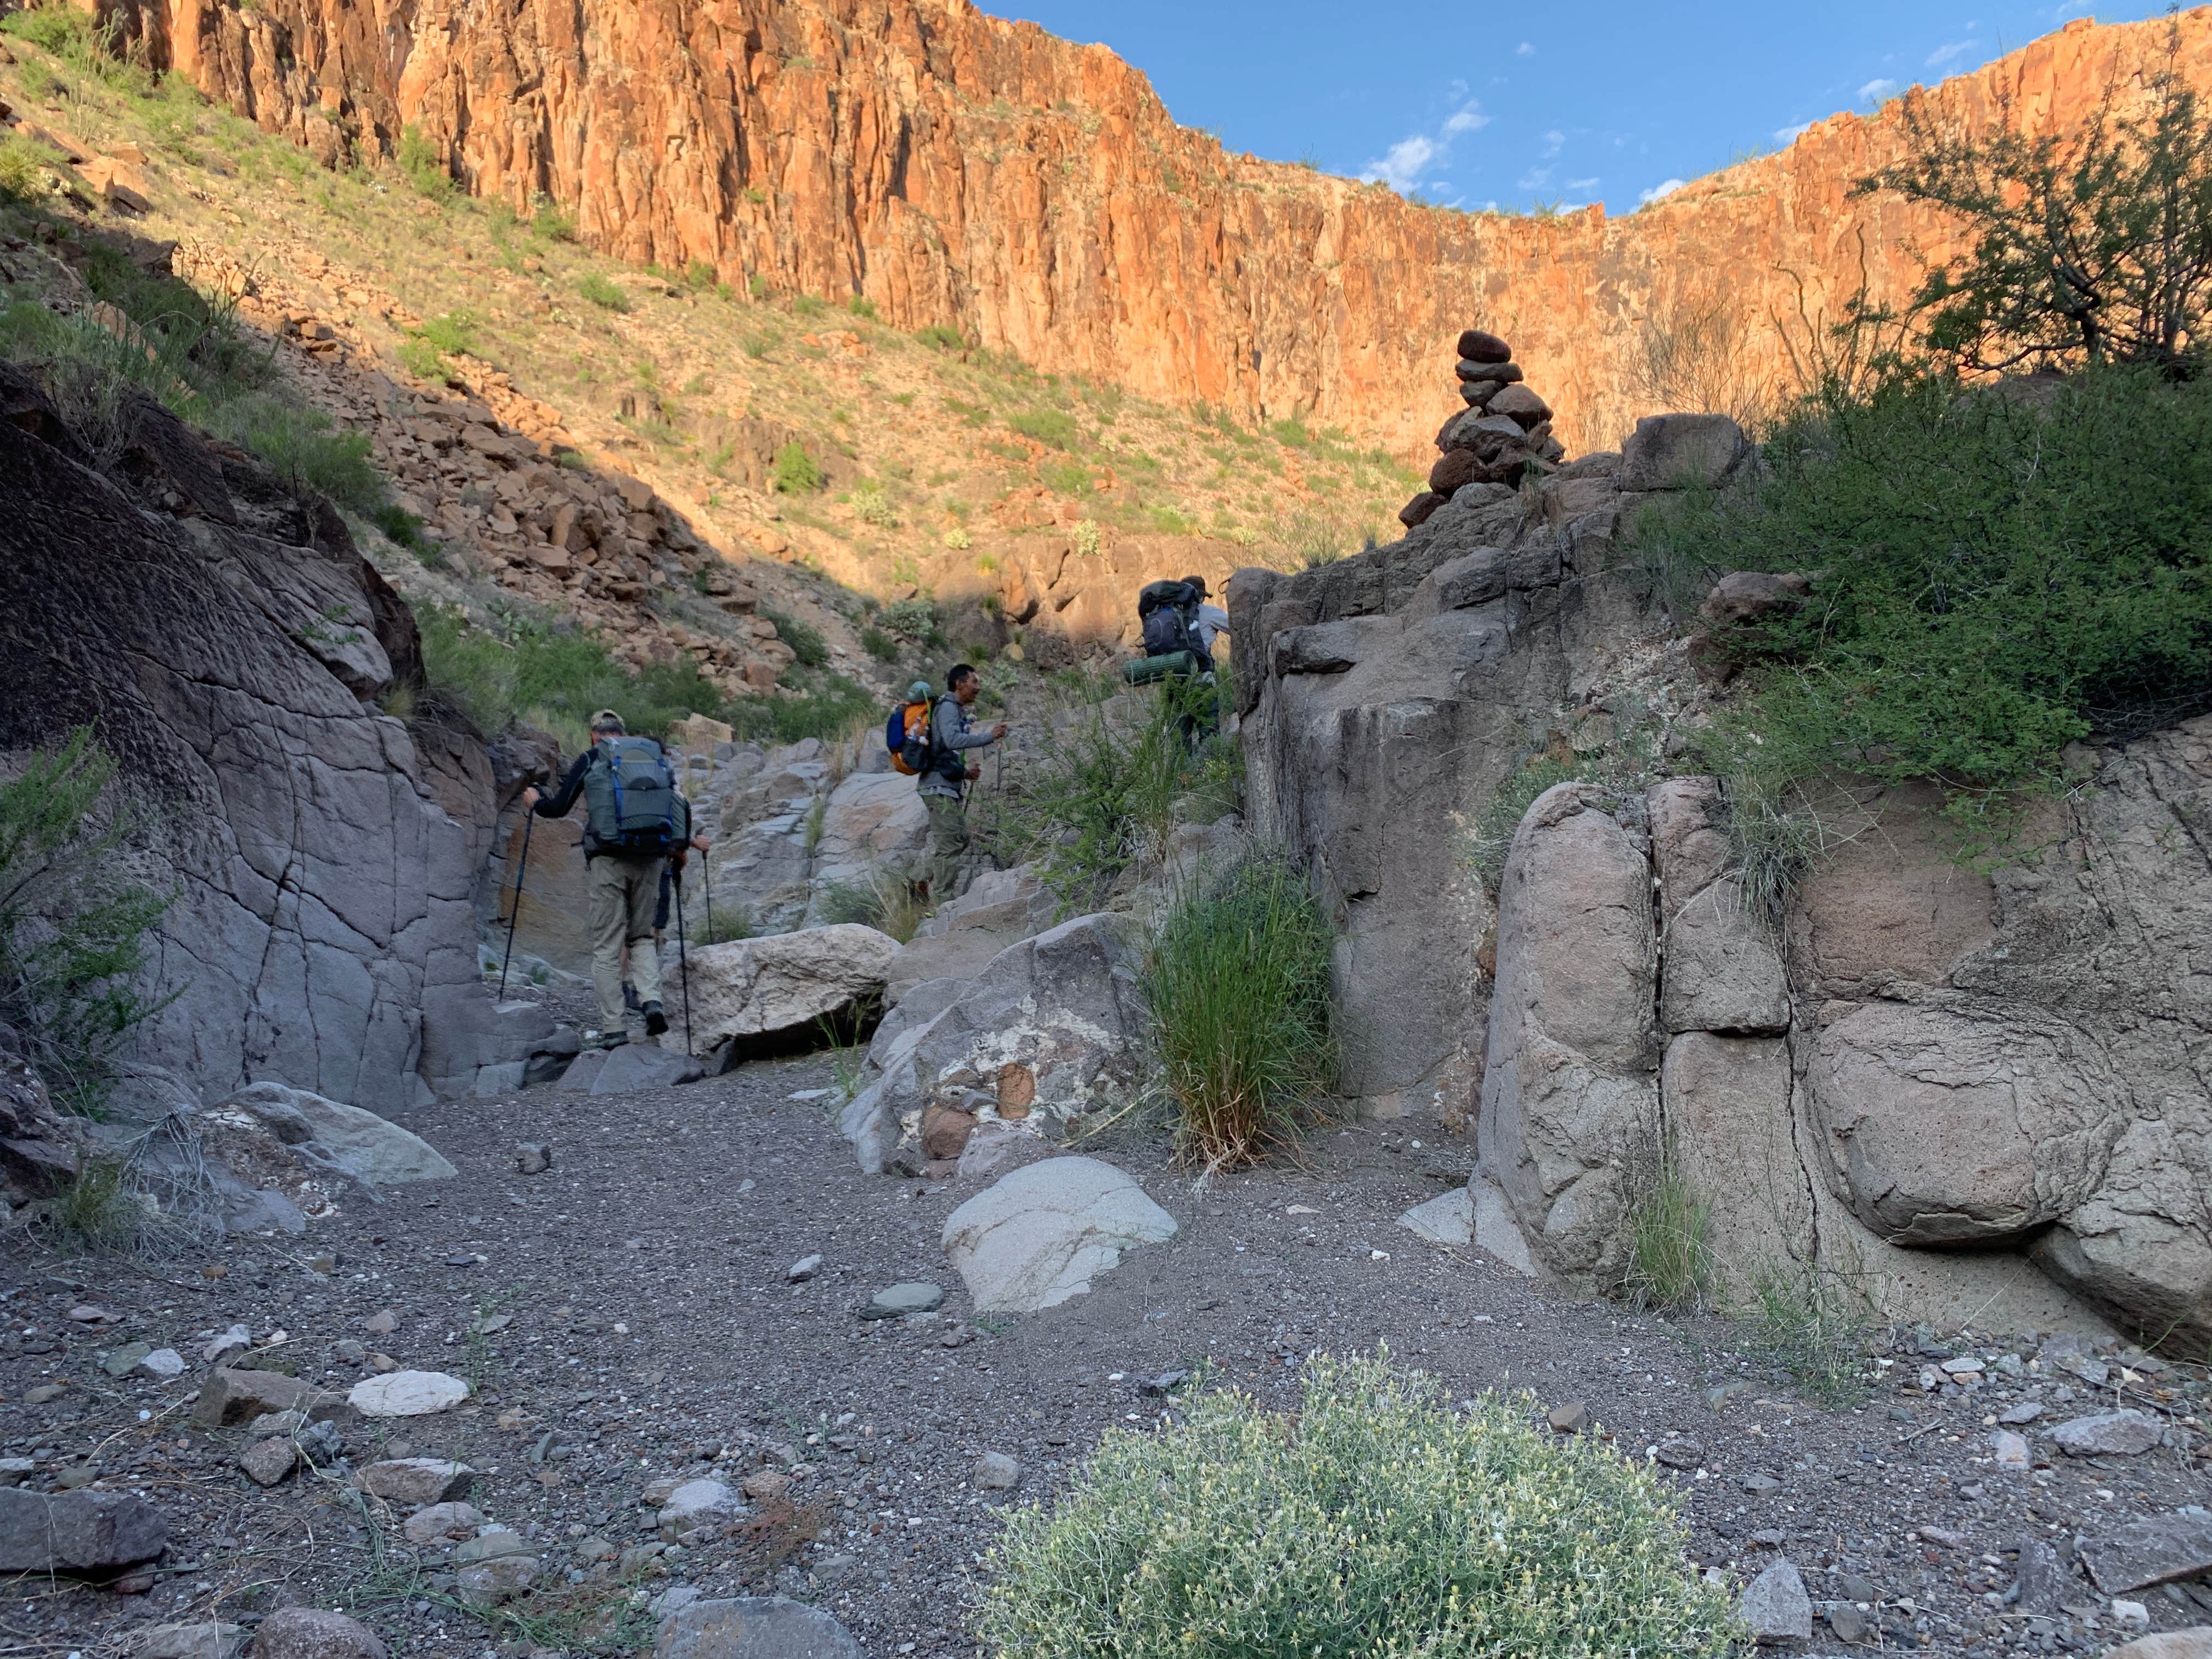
1238 984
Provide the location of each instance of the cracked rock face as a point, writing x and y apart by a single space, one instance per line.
228 651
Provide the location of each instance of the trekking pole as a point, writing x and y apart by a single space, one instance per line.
515 910
683 966
707 883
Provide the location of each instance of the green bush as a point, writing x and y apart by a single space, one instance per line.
1054 427
862 308
824 706
21 162
938 337
805 641
1375 1522
1670 1266
58 27
889 906
879 644
302 448
608 296
1238 984
806 304
72 930
423 160
796 472
916 619
553 677
1997 576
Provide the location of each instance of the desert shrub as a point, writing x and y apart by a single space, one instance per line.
805 640
1374 1521
554 676
957 539
1998 574
889 906
879 644
422 159
796 472
806 304
824 705
938 337
2092 244
603 291
1085 536
863 307
1110 791
20 163
72 928
57 27
300 446
728 923
1054 427
916 619
1812 1323
1237 979
870 506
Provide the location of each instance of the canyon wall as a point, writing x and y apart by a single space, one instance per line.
958 169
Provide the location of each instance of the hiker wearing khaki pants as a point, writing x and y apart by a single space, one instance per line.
635 822
949 739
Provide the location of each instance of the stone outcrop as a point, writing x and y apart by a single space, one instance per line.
892 147
1049 1031
1506 431
227 644
756 992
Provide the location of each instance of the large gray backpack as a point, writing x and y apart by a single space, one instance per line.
629 798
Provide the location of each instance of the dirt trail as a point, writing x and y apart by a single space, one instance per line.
646 1329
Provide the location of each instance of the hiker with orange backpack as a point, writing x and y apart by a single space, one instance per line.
931 741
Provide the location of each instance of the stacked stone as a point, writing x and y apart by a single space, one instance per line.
1504 430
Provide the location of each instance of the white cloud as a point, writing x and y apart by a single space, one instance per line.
1791 135
1943 54
1524 50
1581 184
1554 141
1877 91
1404 163
1401 165
1659 192
1535 179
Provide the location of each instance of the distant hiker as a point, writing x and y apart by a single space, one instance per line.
942 773
1169 612
635 822
1212 621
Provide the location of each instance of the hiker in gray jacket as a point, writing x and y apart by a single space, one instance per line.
950 738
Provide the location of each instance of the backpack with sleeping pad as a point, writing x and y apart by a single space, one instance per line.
1169 611
630 799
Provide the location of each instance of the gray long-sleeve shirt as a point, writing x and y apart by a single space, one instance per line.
949 730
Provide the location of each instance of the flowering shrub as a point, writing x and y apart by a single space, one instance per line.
1374 1522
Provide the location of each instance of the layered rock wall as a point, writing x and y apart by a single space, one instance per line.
958 169
227 643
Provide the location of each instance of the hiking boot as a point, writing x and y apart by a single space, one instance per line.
606 1039
655 1021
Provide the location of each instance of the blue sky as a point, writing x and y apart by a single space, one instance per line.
1605 100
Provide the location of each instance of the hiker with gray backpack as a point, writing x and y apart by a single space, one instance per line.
635 822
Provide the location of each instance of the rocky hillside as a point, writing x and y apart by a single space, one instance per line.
960 170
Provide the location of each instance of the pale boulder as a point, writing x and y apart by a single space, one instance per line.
759 989
346 1139
1041 1235
1724 971
407 1393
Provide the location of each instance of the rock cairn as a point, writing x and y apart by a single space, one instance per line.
1504 430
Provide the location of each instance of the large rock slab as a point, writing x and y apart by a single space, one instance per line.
753 1627
346 1139
1040 1236
87 1533
2163 1549
637 1065
1569 1097
1054 1027
1000 908
1723 969
1961 1125
874 829
1682 451
1727 1104
758 991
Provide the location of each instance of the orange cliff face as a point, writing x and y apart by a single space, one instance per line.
958 169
